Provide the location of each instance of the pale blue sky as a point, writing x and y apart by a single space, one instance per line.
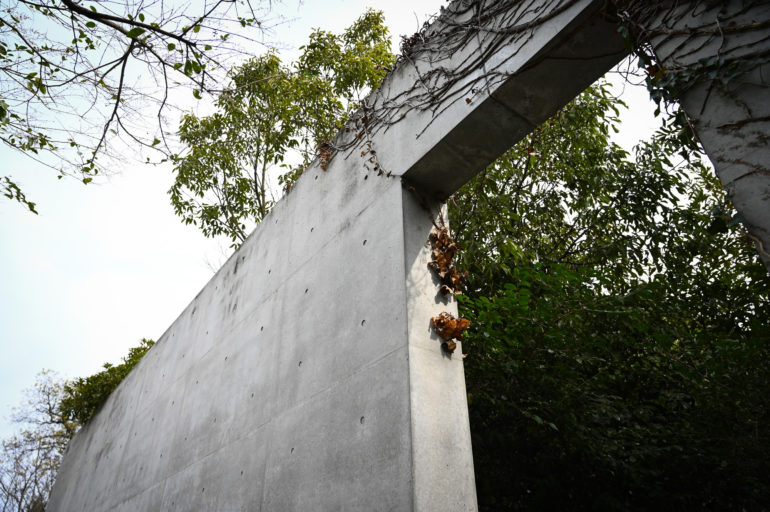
104 265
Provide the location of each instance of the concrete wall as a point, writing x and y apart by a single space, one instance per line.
287 383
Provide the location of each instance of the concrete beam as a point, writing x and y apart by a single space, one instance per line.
537 56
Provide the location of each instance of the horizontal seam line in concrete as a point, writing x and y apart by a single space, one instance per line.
232 326
326 390
245 315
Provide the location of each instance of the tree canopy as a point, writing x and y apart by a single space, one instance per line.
619 326
82 397
53 412
29 459
273 115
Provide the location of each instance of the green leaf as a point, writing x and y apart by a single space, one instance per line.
135 32
717 226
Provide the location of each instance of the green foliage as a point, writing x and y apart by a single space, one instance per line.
353 62
230 151
587 401
69 72
618 350
12 191
52 413
30 458
83 396
269 113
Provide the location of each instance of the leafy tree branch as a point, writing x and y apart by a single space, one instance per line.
78 79
273 115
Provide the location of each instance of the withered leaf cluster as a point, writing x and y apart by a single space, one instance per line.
376 167
325 153
409 42
449 328
444 250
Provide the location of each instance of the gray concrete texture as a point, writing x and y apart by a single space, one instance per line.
285 384
305 375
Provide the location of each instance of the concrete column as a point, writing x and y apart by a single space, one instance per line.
442 460
726 45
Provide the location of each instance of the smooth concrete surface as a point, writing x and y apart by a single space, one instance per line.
732 116
284 385
305 375
433 389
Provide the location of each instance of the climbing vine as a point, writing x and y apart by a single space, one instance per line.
448 55
464 28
